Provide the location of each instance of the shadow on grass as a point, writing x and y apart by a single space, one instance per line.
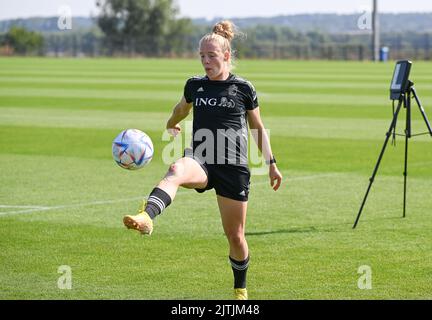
292 230
335 227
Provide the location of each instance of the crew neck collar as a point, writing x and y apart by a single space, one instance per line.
230 77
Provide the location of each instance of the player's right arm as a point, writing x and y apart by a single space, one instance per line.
180 112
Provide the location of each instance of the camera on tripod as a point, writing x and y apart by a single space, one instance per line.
401 89
400 83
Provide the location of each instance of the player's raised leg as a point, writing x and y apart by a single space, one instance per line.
185 172
233 215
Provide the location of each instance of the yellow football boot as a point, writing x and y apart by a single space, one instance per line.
140 222
240 294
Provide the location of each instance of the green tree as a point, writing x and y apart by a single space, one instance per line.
146 27
24 42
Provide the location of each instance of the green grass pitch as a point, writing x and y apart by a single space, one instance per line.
62 197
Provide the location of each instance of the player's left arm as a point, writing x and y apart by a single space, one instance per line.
262 140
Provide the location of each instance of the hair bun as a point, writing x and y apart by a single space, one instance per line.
225 29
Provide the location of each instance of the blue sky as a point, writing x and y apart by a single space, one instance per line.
218 8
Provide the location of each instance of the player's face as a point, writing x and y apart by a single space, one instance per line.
214 61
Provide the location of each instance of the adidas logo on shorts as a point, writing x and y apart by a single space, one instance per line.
243 193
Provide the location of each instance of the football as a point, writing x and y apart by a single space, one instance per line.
132 149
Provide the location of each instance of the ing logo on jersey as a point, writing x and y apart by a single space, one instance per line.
223 102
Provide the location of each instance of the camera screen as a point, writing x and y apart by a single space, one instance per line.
397 77
400 78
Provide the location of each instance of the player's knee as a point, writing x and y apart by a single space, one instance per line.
236 239
172 169
175 170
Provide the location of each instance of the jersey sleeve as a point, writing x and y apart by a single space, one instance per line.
252 99
187 91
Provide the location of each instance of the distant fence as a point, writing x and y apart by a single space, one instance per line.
357 52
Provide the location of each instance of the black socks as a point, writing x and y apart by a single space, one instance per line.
157 201
239 270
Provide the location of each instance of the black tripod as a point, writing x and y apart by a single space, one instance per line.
405 99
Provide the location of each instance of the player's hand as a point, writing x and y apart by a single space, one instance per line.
275 176
174 130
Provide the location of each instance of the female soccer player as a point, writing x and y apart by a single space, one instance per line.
223 104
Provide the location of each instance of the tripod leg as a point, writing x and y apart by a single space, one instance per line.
407 136
422 111
371 180
405 174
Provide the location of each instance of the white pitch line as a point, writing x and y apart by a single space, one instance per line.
35 209
31 209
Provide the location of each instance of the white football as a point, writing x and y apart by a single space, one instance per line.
132 149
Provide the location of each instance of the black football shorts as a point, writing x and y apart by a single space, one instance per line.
228 180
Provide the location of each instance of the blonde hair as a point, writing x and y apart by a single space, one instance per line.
223 33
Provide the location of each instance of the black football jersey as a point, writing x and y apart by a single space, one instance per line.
220 133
